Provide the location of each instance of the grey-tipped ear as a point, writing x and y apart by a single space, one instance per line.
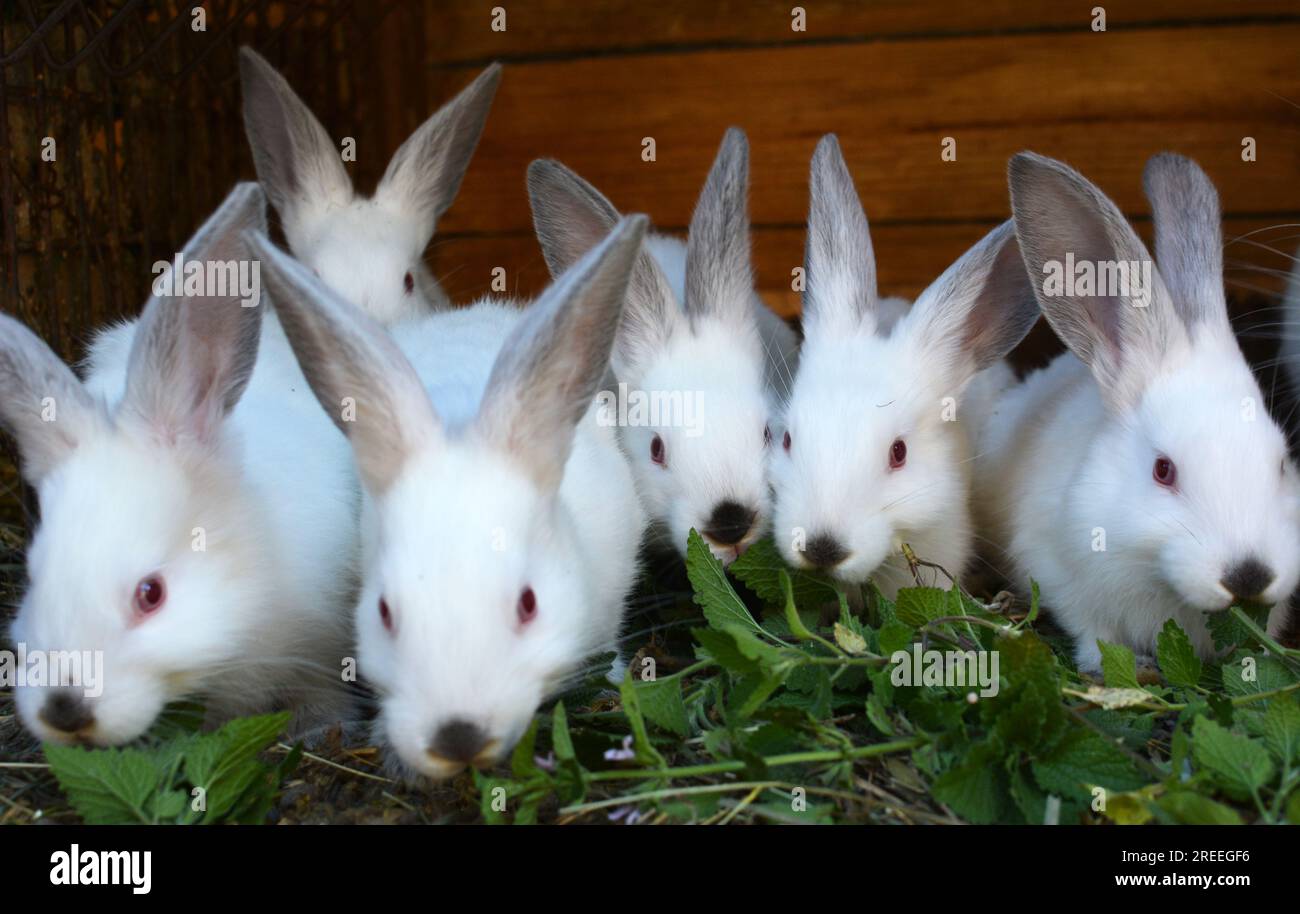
571 217
297 164
980 308
1064 223
1189 236
839 260
192 355
719 276
424 174
359 375
42 403
550 367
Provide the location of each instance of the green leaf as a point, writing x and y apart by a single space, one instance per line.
1118 666
918 605
1239 764
1281 729
976 788
1253 673
662 704
722 606
1189 808
224 763
645 750
1176 656
106 786
760 569
1084 760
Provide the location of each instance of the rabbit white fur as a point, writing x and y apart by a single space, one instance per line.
369 250
195 457
695 329
492 493
865 396
1068 476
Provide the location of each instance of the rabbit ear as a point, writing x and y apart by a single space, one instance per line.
42 403
719 277
424 174
839 260
1189 237
361 378
550 367
979 309
193 354
571 217
1068 230
297 164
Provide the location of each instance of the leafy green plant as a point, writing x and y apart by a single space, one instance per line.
184 778
788 707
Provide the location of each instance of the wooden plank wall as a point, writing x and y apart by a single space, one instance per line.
586 80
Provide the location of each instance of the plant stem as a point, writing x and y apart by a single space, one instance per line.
791 758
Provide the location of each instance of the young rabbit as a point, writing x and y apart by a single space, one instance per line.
1139 477
696 331
877 442
371 251
501 523
197 527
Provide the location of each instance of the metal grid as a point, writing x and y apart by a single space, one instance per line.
144 115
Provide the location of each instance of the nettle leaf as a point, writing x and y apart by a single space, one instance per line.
1281 729
225 763
760 569
1239 764
722 606
1251 674
106 786
916 606
976 788
1176 656
1027 711
1118 666
1085 759
662 704
849 640
1227 630
895 636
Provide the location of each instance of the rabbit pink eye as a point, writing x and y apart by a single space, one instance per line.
657 450
527 608
897 453
1164 472
785 442
385 615
408 283
767 435
150 594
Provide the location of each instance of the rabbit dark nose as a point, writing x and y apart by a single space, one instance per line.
459 741
67 712
1247 580
729 523
824 551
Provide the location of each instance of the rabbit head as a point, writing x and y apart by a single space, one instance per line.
1189 475
369 250
476 601
145 563
702 464
872 456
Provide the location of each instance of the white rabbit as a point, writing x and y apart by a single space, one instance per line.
501 524
1155 486
877 443
369 250
697 336
198 516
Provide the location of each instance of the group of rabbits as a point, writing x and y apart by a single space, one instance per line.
208 530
